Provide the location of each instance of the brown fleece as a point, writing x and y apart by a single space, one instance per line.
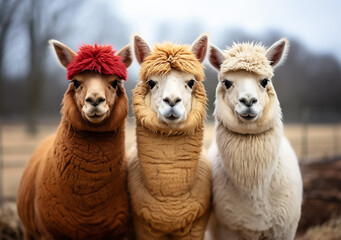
74 186
169 178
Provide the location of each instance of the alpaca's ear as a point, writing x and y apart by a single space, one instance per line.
199 47
277 53
64 53
141 49
215 56
126 55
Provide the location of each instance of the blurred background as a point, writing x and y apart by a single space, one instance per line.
32 83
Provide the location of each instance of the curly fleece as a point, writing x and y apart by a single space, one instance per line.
98 58
250 57
166 57
169 177
75 186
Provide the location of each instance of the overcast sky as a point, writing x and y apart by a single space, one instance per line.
315 23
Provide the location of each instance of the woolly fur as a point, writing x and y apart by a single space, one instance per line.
250 57
163 59
166 57
168 175
145 115
99 59
75 185
257 185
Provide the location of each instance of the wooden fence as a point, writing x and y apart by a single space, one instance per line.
311 143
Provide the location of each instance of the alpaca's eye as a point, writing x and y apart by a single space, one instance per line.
151 84
76 83
114 84
264 82
227 83
190 83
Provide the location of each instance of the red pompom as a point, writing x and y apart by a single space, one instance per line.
96 58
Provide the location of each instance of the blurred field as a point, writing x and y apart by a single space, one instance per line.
312 142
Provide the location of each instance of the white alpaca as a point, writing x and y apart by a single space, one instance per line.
257 185
171 96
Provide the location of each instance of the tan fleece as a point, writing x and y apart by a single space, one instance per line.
169 178
166 57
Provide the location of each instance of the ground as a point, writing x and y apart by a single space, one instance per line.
311 143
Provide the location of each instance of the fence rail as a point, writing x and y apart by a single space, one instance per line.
311 143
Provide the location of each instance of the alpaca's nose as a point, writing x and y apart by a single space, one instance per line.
95 99
248 101
172 101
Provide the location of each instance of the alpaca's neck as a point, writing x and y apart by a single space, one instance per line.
168 162
87 161
250 159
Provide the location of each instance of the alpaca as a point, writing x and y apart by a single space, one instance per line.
256 181
169 177
74 186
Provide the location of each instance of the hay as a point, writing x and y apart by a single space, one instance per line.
10 225
330 230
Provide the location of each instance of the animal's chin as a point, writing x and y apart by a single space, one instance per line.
96 117
248 117
172 117
173 120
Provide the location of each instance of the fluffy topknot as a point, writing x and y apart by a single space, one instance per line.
98 58
168 56
247 56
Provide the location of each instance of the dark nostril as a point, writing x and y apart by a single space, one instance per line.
249 102
95 102
169 102
172 103
89 100
166 100
243 101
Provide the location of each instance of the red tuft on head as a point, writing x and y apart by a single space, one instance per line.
96 58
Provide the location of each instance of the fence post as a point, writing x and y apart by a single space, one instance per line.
1 170
336 140
305 122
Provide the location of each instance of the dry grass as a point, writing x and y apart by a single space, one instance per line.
330 230
10 226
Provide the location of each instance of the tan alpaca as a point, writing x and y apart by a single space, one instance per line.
257 185
74 186
168 175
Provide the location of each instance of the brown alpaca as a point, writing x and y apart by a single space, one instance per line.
74 186
168 175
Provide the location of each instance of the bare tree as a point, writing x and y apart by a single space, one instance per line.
45 19
7 12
